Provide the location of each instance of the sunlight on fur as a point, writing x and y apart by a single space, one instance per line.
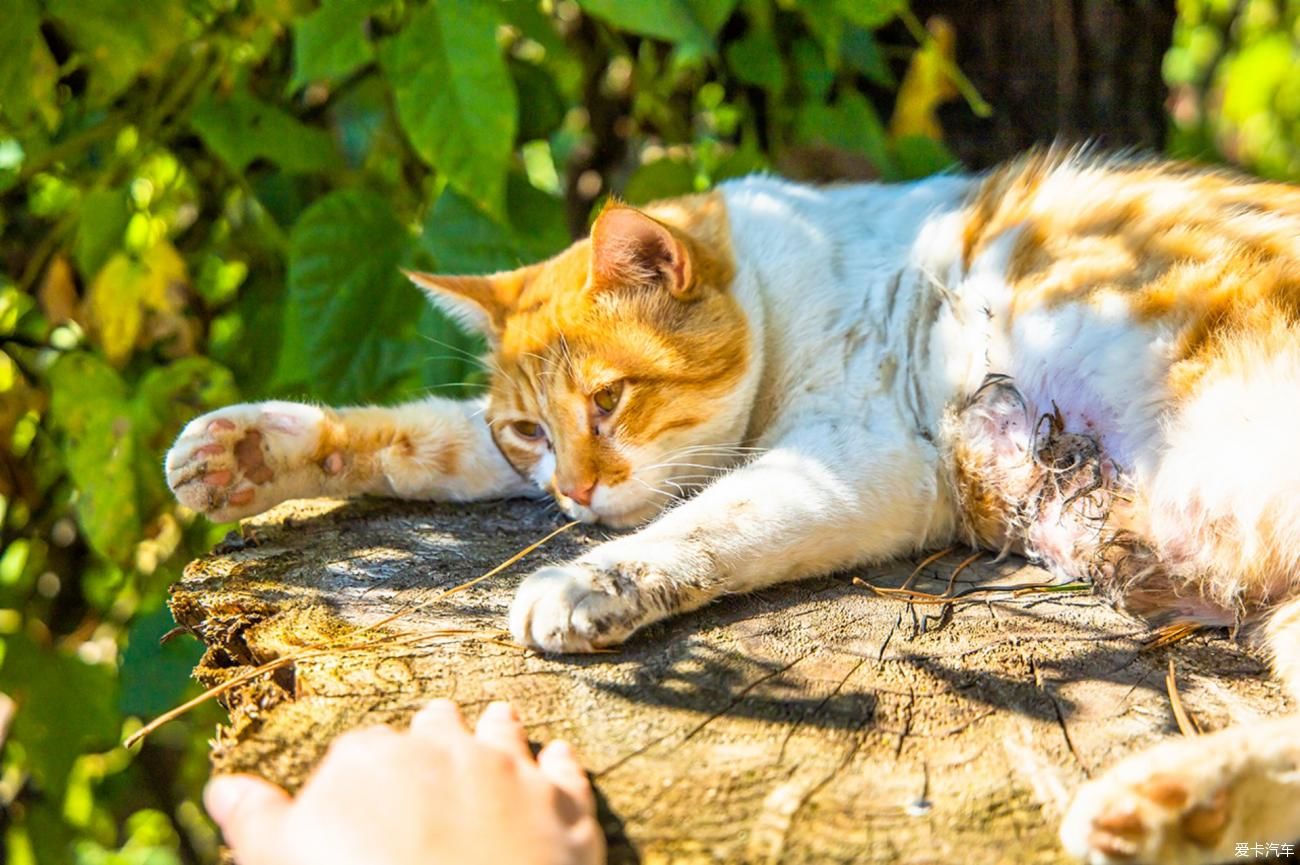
1092 362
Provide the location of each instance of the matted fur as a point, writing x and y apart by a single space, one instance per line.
1092 361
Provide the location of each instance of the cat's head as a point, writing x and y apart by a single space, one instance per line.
619 367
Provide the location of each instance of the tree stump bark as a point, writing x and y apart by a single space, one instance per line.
815 722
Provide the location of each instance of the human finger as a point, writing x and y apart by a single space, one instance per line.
499 726
438 719
250 812
561 767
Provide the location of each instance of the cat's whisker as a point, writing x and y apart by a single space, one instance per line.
718 447
676 465
566 354
465 354
547 370
703 454
686 489
433 358
671 496
467 384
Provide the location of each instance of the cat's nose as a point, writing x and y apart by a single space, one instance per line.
580 493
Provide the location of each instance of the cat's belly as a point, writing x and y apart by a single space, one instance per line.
1096 367
1069 389
1053 452
1032 481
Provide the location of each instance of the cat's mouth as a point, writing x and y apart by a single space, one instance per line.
618 516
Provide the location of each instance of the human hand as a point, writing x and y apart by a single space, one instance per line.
432 794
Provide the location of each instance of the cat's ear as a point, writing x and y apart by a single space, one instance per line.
629 248
480 303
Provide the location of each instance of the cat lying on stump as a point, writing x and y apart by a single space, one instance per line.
1092 362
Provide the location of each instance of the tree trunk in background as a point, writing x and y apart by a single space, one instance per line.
1071 70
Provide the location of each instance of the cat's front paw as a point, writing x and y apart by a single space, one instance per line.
575 608
242 459
1188 801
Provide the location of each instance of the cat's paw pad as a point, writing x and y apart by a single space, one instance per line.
226 464
1165 817
573 608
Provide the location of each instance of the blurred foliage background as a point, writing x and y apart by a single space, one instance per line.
209 200
1234 78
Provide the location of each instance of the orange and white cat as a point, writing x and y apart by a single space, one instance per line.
1092 362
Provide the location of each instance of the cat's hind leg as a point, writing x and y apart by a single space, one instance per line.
1195 799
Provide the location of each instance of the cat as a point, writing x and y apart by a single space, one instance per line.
1091 361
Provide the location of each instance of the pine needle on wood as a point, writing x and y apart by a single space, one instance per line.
1186 723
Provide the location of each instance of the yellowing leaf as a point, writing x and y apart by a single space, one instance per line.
58 292
927 84
128 292
113 308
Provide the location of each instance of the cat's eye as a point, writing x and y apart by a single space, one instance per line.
606 399
527 429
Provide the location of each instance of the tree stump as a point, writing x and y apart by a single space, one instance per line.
814 722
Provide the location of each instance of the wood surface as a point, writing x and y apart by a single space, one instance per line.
814 722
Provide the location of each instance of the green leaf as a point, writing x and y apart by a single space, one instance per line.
540 224
541 107
826 23
917 156
460 237
860 51
746 160
167 397
692 23
89 407
538 25
64 709
154 675
152 840
332 41
455 99
28 72
356 313
281 11
662 178
240 129
120 39
851 123
871 14
101 224
813 73
756 59
711 14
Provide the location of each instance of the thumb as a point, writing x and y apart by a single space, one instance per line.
250 812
